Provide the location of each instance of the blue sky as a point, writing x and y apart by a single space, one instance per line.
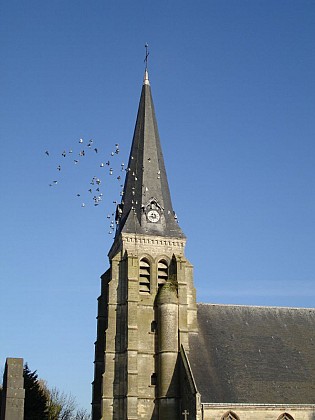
234 92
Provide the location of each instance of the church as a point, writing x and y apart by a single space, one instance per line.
161 355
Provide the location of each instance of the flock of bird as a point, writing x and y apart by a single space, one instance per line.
94 192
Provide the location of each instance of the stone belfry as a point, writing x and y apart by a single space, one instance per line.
147 304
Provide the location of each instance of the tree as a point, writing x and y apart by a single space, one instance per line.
82 414
44 403
1 388
0 398
35 404
62 406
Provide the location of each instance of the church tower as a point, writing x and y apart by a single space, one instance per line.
147 304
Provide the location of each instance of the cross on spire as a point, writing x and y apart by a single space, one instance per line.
146 55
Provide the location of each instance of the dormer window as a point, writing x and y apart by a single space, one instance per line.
153 211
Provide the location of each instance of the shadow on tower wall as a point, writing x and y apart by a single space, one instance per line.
121 340
100 344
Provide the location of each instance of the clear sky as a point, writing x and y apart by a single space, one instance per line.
234 92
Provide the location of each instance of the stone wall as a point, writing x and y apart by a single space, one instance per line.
130 367
190 397
258 412
12 407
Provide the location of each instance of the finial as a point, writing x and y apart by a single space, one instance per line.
146 55
146 74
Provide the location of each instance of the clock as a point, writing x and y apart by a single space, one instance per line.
153 216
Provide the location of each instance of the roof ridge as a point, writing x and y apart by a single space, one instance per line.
255 306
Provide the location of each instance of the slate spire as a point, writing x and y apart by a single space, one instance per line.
146 206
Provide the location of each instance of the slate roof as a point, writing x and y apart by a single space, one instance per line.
146 179
248 354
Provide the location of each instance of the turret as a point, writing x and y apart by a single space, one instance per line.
168 380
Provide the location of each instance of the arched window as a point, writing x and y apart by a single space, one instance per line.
230 416
285 416
162 272
144 276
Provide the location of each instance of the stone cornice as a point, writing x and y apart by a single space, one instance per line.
128 240
259 405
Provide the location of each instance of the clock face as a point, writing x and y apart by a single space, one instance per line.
153 216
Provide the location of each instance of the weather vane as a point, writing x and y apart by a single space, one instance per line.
146 55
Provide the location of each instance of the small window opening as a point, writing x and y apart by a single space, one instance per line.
153 379
162 272
144 276
153 326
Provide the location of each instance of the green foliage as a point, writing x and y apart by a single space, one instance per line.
62 406
0 399
43 403
35 404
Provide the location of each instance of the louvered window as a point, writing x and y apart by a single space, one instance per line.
144 276
162 272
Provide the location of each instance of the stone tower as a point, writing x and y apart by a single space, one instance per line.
147 304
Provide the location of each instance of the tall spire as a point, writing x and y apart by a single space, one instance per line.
146 206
